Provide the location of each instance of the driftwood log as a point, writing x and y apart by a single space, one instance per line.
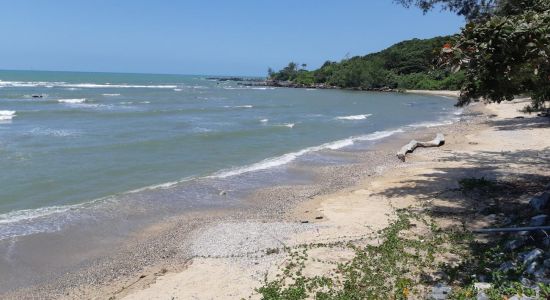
438 141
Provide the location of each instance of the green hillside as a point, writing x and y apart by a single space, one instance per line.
408 65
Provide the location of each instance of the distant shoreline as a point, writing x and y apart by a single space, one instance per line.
445 93
288 84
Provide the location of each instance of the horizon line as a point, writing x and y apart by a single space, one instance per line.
129 73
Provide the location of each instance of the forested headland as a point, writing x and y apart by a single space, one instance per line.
406 65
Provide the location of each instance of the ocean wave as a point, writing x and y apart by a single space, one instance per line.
38 220
354 117
51 219
264 120
441 122
239 106
39 131
262 88
178 90
72 101
7 115
289 157
110 95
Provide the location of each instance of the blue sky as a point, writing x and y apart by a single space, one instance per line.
203 37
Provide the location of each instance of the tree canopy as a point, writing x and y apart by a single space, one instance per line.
470 9
504 49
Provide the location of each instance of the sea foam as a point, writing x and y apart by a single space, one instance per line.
7 115
72 101
239 106
354 117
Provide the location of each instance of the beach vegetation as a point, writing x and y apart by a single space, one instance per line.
418 257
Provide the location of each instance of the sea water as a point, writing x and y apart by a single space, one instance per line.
84 145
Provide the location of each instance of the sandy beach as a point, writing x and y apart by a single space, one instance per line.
231 259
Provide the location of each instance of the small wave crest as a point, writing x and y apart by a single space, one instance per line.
110 95
289 157
7 115
72 101
354 117
239 106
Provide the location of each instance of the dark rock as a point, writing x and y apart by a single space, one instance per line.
540 202
506 266
528 257
538 220
319 218
304 222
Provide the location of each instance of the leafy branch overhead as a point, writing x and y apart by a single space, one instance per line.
504 49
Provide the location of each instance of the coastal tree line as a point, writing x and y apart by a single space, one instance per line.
503 51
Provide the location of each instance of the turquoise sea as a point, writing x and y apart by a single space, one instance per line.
78 146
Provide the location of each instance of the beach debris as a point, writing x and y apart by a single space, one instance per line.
319 218
409 148
223 193
304 221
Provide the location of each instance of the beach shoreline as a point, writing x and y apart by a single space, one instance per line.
186 251
344 214
166 245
